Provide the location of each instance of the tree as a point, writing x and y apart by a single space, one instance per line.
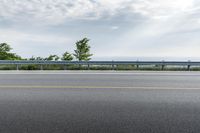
4 47
67 57
82 52
52 58
5 53
36 58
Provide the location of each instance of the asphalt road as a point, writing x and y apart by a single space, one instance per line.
99 102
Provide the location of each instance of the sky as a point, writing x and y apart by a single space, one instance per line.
117 29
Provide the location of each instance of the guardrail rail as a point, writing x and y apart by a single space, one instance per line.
188 64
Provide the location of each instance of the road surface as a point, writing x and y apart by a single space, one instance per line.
99 102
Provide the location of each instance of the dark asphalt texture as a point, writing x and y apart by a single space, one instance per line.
100 110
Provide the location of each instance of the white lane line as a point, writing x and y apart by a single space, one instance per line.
100 87
83 73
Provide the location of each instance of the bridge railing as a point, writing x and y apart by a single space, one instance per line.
90 63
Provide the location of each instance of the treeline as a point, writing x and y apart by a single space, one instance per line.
81 53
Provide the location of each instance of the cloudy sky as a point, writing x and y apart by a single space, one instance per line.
117 28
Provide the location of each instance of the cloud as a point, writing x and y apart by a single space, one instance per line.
116 27
39 44
57 11
18 36
163 9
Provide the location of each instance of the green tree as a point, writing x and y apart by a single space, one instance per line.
32 58
36 58
82 52
67 57
4 47
52 58
5 53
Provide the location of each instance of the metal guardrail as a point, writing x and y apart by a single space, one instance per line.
112 63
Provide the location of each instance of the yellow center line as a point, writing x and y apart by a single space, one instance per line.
99 87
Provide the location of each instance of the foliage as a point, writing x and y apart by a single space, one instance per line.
82 52
52 58
67 57
5 53
36 58
4 47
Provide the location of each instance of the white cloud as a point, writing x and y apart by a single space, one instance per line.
12 36
56 11
38 44
158 20
115 27
163 9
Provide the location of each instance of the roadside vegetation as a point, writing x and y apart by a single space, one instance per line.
5 53
81 53
95 67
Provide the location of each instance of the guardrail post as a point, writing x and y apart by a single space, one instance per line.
113 66
41 67
79 65
17 67
65 67
137 66
163 65
188 67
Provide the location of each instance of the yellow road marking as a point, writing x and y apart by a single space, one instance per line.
98 87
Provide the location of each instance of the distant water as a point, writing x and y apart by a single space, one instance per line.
146 58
